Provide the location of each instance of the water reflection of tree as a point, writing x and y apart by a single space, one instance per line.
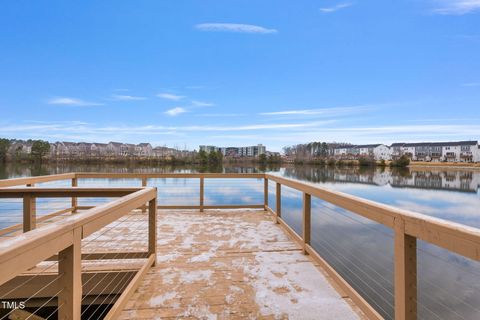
459 180
401 172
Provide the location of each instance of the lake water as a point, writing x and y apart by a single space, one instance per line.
360 250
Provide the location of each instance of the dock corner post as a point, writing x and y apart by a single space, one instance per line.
144 184
278 195
74 199
70 271
202 192
307 215
265 194
29 212
152 228
405 273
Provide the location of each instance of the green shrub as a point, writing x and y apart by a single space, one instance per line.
403 162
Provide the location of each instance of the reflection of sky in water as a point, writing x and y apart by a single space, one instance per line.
359 249
362 250
450 205
178 191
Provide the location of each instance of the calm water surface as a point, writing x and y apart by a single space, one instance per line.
361 250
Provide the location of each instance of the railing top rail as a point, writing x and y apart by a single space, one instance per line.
66 192
456 237
453 236
59 235
36 179
99 175
106 175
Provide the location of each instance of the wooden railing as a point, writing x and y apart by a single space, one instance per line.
200 176
407 227
62 241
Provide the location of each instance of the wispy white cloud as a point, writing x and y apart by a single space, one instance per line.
456 7
198 103
321 111
234 27
433 129
276 135
66 101
257 126
175 111
444 120
336 7
170 96
80 127
120 97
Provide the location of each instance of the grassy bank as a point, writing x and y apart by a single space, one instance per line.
466 165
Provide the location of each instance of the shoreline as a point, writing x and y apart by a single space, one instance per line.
179 161
445 165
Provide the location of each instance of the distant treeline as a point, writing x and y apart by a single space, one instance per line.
404 161
39 149
313 150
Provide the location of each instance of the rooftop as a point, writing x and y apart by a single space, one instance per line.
428 144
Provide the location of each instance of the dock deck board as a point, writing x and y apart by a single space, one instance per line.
232 264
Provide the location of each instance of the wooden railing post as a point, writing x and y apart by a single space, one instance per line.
74 199
405 273
152 227
144 184
70 271
29 212
278 195
202 190
307 210
265 194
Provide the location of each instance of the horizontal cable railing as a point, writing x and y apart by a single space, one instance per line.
45 263
407 227
379 291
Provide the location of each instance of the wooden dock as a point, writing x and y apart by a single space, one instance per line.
137 258
232 264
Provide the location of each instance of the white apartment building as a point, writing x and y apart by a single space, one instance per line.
374 151
250 151
458 151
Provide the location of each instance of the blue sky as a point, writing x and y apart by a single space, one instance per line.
237 72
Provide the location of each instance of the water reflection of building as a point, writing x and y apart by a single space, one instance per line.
468 181
447 180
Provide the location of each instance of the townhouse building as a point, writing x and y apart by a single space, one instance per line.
163 152
143 150
457 151
98 149
19 148
374 151
114 148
